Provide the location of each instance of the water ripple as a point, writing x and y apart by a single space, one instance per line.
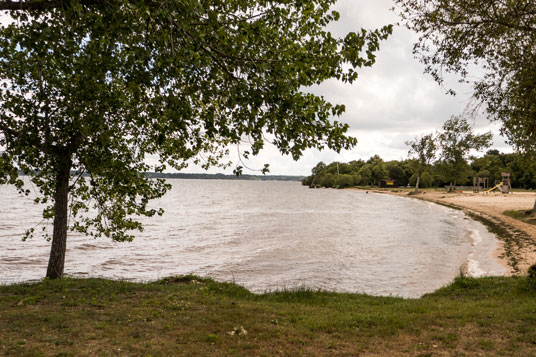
267 236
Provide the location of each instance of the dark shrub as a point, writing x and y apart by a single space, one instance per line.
532 276
343 181
532 273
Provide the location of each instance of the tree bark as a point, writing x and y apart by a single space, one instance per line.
56 262
417 183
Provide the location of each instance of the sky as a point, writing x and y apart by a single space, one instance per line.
391 102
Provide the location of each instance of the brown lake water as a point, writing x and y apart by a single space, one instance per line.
266 236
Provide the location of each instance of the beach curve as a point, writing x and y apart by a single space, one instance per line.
516 250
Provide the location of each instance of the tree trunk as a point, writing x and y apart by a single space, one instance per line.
59 237
534 208
417 183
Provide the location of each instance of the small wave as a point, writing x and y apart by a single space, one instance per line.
89 246
473 268
475 236
117 262
21 260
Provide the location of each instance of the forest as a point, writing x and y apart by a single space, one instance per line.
375 169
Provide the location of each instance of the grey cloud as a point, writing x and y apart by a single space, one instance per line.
390 103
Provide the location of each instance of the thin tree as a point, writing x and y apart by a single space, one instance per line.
423 149
455 142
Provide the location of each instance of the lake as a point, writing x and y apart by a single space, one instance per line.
268 235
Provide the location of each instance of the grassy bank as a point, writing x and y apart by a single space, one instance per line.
522 215
197 317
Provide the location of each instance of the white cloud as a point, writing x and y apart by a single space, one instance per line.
390 103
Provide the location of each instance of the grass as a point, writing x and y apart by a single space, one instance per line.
190 316
522 215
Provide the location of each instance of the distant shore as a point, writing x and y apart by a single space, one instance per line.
220 176
517 239
206 176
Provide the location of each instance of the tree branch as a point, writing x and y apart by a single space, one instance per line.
8 130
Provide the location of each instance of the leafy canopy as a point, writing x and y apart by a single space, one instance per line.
496 35
98 87
423 149
456 141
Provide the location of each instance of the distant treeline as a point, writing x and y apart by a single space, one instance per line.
375 169
180 175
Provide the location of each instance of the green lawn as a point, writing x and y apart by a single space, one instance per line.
521 215
197 317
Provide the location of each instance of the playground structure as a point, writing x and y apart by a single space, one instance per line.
480 184
504 185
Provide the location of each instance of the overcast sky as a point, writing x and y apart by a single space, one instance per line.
390 103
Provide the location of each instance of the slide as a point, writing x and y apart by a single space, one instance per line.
494 187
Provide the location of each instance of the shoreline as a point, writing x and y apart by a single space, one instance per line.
201 317
516 250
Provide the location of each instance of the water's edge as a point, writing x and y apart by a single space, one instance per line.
497 227
270 236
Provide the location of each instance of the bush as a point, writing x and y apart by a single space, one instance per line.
532 275
307 181
344 181
327 180
356 179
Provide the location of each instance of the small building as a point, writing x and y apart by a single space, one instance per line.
388 184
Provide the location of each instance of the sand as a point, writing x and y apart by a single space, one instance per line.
517 239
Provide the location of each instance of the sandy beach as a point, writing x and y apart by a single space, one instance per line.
517 248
